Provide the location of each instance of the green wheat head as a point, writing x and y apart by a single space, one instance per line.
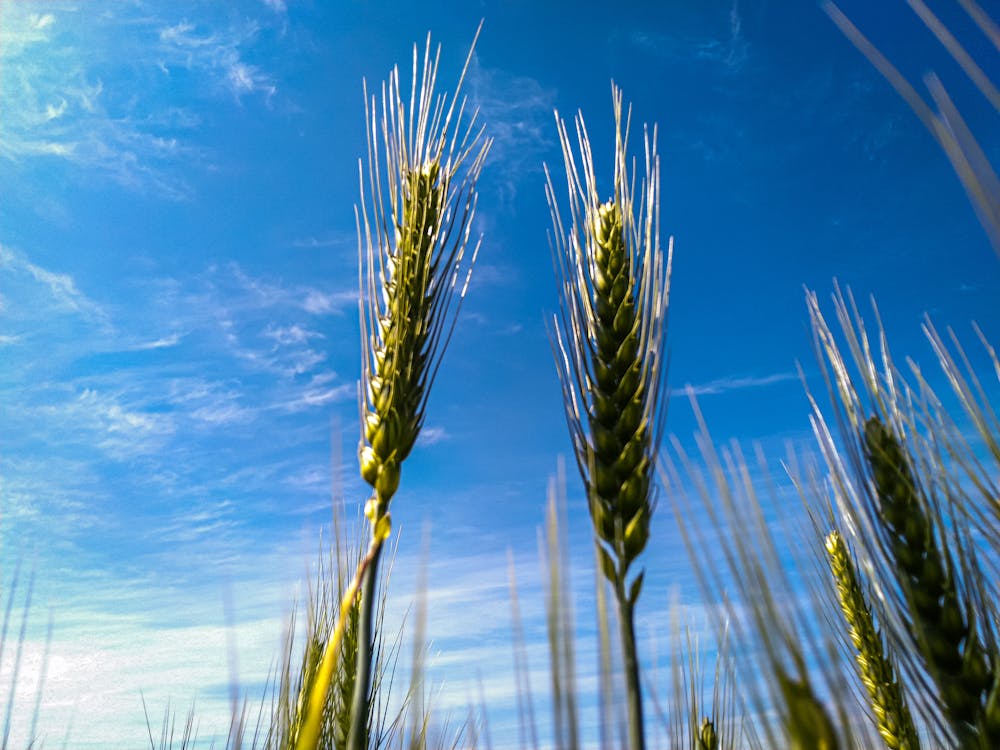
419 200
895 723
610 339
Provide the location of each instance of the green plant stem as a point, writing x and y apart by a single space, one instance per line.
633 688
360 709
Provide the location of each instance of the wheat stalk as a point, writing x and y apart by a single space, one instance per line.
611 360
877 673
418 202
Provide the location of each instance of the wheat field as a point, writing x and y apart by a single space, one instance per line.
864 617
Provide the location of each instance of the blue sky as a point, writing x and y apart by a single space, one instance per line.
178 303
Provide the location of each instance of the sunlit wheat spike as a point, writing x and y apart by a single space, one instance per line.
610 338
418 203
927 507
418 200
895 723
609 346
943 624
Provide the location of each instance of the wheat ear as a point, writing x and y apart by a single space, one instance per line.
418 202
610 354
707 738
895 723
943 626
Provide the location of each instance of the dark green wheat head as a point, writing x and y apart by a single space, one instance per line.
418 202
609 338
943 624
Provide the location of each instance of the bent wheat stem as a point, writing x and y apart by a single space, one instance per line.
315 699
610 354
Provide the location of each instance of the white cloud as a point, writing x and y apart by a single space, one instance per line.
294 334
319 396
330 239
64 101
432 435
106 421
60 289
726 385
325 303
518 112
161 343
216 53
102 665
727 49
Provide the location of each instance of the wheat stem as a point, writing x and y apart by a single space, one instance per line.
309 732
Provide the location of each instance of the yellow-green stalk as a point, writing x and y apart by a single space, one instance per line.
611 359
418 202
895 723
314 698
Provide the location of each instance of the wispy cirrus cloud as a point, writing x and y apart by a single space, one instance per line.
128 392
728 49
65 101
326 239
164 342
730 384
518 110
52 289
217 54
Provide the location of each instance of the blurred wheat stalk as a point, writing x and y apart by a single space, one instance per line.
945 123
